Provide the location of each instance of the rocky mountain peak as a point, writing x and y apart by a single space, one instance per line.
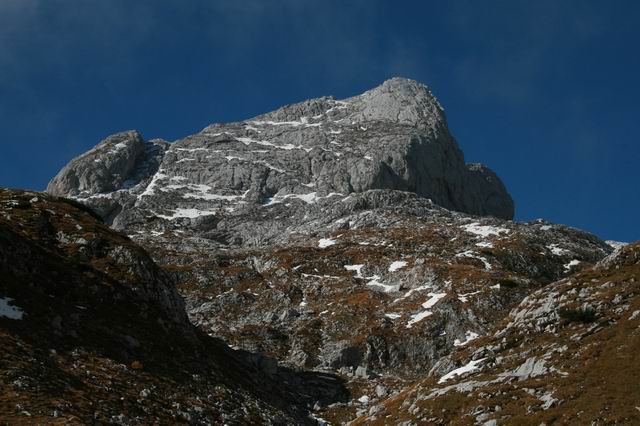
393 137
397 100
403 101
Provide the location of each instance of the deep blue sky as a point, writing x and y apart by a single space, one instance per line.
545 92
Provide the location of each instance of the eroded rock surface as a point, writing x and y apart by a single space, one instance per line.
93 331
392 137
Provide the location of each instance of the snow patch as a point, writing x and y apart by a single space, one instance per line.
464 298
375 281
10 311
558 251
413 290
571 264
471 366
484 230
326 242
310 198
304 121
398 264
433 299
415 318
357 268
187 213
471 254
468 337
484 244
150 189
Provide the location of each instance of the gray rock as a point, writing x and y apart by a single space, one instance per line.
364 373
381 391
532 367
393 137
376 409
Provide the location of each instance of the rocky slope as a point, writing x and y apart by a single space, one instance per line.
347 239
92 331
567 354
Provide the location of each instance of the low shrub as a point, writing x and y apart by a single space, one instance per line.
584 315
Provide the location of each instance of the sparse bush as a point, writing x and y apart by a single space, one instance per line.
507 283
584 315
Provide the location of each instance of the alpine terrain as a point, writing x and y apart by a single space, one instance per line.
330 262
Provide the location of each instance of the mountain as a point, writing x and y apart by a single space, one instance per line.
350 260
393 137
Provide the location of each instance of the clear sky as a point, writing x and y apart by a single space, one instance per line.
545 92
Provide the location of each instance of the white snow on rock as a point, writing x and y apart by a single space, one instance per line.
471 366
464 298
413 290
548 400
375 282
416 318
393 316
484 244
484 230
433 299
616 244
398 264
304 121
357 268
473 255
571 264
186 213
9 311
325 242
558 251
468 337
150 189
309 198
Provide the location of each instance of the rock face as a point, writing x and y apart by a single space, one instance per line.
348 239
565 354
93 331
392 137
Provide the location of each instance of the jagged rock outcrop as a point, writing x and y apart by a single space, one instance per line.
107 172
392 137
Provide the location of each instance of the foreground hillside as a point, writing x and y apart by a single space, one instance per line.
566 355
91 330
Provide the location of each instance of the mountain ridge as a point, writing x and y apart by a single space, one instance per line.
394 136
